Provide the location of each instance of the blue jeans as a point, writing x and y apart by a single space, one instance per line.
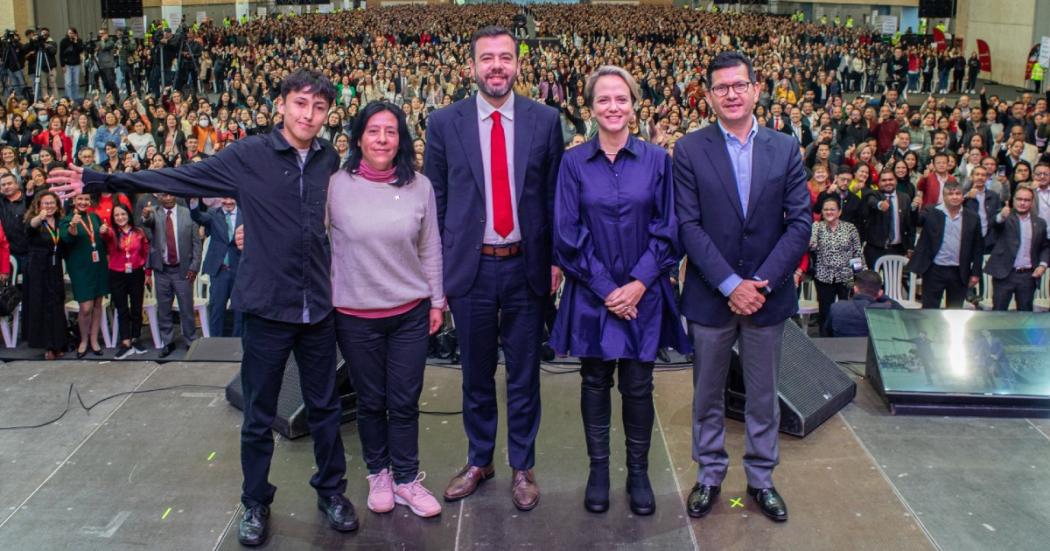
72 82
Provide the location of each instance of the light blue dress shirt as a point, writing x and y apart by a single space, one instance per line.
740 157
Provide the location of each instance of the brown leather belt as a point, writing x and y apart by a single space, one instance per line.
501 251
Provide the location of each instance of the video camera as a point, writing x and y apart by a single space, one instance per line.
10 36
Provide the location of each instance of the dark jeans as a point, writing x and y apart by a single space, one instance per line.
827 293
939 280
1019 286
387 357
267 345
126 291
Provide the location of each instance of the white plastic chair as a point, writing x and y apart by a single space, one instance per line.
73 307
149 304
200 306
891 268
9 325
807 303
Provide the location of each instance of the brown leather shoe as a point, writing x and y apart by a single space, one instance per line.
467 481
524 491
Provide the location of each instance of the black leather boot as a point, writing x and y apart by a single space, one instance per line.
595 408
637 394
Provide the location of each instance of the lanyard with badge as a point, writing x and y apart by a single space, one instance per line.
125 241
90 228
54 243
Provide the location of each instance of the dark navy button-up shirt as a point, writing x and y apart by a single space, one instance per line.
284 272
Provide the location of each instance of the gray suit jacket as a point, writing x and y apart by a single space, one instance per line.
187 235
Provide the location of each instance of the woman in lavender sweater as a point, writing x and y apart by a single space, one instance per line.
387 290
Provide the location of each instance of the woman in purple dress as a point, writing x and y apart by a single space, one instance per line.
616 239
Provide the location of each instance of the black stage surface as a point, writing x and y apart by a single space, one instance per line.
161 470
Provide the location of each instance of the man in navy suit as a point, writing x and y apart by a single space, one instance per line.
493 161
221 262
745 221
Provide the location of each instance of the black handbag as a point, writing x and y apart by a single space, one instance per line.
10 298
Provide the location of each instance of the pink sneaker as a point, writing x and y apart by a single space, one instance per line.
417 497
380 492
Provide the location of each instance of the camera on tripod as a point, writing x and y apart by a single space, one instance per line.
9 37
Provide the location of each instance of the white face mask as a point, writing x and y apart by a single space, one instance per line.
203 123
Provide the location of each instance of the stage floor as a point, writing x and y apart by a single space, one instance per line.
161 471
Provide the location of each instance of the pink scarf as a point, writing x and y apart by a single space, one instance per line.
366 171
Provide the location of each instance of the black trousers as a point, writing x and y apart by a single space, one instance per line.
939 280
827 294
126 291
267 345
387 357
109 80
1019 286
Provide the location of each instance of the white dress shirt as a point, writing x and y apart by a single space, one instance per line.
506 111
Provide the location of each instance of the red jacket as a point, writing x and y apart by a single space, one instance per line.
46 139
930 187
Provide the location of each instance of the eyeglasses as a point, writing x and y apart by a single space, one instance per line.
722 90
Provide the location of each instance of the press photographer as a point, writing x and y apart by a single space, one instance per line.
71 50
46 65
11 55
106 54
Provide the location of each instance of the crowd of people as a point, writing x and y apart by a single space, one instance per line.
877 156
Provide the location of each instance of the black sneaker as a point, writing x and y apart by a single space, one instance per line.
123 352
137 348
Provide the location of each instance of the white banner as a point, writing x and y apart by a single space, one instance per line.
1044 52
888 24
171 14
202 16
138 26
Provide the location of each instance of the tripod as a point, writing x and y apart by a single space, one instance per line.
41 63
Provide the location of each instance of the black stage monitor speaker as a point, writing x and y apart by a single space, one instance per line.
812 388
121 9
291 412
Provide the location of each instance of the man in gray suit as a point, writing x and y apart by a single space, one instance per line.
175 258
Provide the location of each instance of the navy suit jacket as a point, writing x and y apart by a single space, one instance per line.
453 164
214 223
766 242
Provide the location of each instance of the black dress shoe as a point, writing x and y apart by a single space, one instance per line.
340 512
97 352
701 500
167 350
80 355
254 526
770 502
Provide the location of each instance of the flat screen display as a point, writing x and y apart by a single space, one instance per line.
962 351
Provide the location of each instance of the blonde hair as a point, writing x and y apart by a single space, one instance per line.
611 70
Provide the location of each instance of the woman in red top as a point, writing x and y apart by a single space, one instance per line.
128 252
56 139
103 203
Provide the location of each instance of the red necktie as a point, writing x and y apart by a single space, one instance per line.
502 217
169 230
